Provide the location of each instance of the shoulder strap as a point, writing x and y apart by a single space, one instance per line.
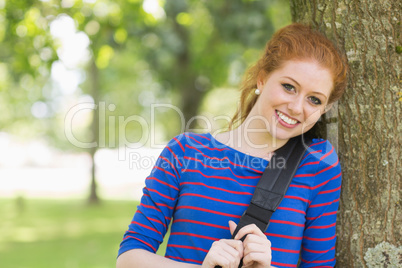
273 184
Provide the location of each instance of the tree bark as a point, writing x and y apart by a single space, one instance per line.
368 130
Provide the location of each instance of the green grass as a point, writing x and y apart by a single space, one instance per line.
62 233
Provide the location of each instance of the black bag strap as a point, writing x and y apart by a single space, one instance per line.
273 184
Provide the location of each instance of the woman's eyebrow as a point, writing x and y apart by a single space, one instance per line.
315 92
320 93
292 80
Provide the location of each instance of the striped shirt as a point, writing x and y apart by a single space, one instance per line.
198 184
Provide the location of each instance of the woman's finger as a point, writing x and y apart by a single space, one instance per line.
225 253
249 229
257 250
232 247
256 239
259 247
253 258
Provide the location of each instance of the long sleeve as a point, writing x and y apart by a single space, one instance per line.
152 218
203 184
318 246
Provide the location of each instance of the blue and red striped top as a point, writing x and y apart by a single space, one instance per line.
198 184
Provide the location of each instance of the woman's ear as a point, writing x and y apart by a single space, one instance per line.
260 83
262 76
327 108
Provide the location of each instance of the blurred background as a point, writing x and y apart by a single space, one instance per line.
90 91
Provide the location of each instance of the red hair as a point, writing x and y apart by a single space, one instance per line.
293 42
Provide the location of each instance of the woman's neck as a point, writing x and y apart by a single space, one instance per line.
252 138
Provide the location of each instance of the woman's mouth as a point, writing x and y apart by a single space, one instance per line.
285 120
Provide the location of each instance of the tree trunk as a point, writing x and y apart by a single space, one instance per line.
94 78
190 95
185 78
368 130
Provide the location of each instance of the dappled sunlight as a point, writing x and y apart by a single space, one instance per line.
154 8
25 234
73 50
33 169
44 182
74 234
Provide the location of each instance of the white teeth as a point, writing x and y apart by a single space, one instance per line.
286 119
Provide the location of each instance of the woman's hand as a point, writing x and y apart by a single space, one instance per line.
256 246
226 253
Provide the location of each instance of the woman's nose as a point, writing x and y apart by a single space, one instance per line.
296 105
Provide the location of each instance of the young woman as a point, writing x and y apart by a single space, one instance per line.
202 184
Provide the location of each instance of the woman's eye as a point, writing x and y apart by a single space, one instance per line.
288 87
315 100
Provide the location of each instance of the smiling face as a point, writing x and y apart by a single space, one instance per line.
293 98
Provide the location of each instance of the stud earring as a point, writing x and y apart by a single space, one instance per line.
257 91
